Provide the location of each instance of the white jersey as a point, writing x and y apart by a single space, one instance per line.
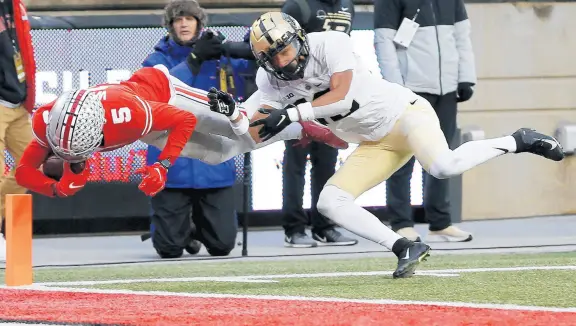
377 103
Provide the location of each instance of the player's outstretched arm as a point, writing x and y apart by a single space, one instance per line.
223 103
27 174
180 125
341 62
339 100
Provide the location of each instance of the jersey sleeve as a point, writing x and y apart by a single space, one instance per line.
179 123
268 95
39 123
339 52
27 174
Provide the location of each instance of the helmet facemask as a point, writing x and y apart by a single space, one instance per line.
287 57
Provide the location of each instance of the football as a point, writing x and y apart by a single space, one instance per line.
53 167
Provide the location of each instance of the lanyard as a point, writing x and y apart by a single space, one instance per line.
418 10
226 77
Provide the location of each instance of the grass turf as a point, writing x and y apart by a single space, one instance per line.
543 288
534 288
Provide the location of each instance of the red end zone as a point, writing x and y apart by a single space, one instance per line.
134 309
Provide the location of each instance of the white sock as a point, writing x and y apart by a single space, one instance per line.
469 155
507 142
339 206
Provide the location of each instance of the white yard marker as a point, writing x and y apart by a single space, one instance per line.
273 278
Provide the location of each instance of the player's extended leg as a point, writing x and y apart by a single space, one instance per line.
155 84
369 165
421 126
196 101
215 149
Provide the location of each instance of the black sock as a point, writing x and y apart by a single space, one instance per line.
400 245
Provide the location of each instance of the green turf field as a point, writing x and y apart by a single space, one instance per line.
445 282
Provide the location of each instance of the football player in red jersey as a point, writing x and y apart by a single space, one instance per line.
152 107
104 118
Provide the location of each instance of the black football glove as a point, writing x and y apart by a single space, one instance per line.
221 102
274 123
465 91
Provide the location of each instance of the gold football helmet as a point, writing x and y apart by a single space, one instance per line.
280 45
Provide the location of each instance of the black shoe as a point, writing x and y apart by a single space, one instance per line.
531 141
331 237
409 259
193 247
299 240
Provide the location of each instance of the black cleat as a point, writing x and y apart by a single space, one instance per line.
531 141
409 259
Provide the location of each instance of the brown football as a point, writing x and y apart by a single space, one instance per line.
53 167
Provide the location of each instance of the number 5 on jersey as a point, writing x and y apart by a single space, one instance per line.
121 115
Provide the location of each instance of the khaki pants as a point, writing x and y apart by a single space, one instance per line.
417 133
15 135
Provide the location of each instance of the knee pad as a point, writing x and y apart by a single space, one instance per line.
331 199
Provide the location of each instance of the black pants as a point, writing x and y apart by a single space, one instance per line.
436 203
207 215
323 159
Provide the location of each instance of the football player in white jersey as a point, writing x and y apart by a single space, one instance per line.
217 139
319 77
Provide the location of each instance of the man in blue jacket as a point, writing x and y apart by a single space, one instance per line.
197 205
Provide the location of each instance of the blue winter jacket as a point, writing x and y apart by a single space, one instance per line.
186 172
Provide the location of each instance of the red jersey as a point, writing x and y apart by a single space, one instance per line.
133 109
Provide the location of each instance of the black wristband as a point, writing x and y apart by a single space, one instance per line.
165 163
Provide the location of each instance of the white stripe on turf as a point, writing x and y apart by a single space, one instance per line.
299 298
271 278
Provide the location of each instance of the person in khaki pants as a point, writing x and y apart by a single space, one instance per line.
17 97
